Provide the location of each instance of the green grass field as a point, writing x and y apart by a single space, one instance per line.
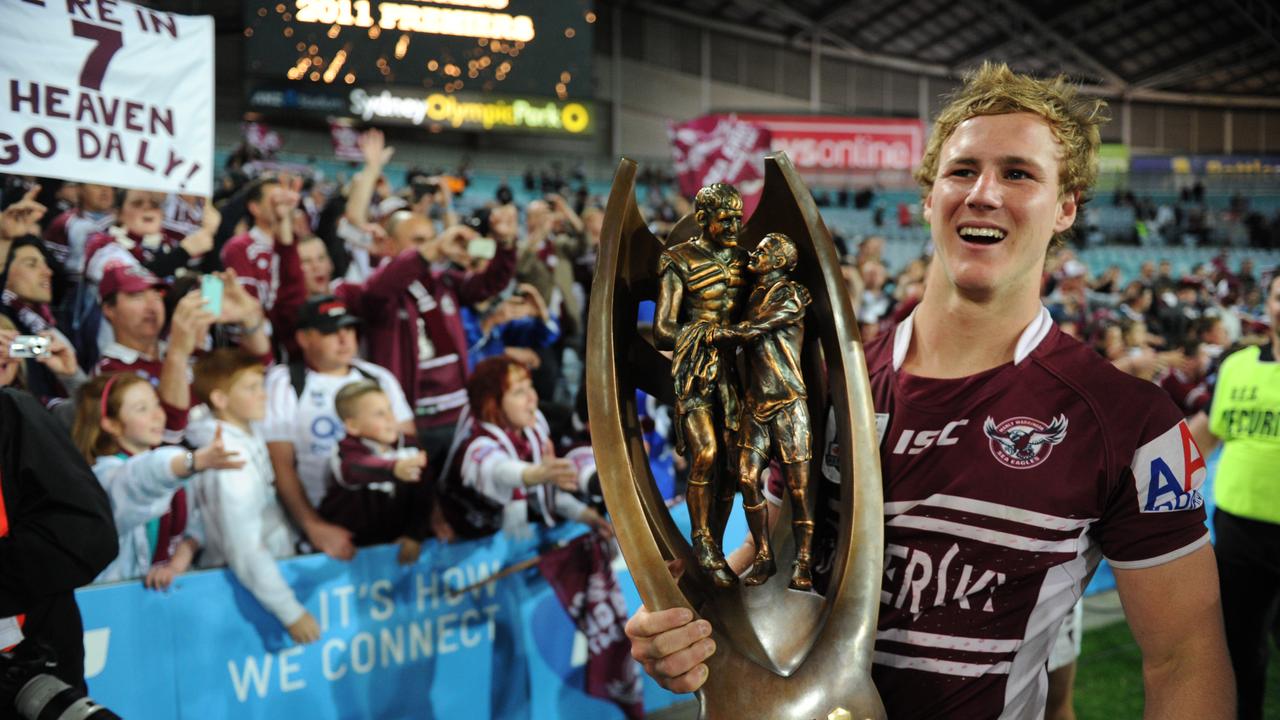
1109 677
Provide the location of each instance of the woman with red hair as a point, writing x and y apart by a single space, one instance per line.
504 474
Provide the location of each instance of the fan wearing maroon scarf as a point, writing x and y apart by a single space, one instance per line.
504 472
118 428
140 238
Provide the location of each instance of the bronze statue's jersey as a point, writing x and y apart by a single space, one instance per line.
1002 492
773 360
711 286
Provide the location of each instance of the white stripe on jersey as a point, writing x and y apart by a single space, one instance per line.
942 667
1161 559
948 642
448 401
991 537
1027 688
436 362
995 510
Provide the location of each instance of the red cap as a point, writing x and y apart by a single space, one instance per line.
122 277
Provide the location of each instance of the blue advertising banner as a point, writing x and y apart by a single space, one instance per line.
397 642
1206 164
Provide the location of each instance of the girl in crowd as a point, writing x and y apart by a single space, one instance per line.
118 428
504 473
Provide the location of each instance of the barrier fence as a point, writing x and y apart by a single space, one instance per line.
397 642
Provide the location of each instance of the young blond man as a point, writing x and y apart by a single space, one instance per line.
1013 458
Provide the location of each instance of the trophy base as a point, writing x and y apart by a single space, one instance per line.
738 688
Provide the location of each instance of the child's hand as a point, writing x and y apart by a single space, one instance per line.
214 456
554 471
160 577
305 629
410 549
409 469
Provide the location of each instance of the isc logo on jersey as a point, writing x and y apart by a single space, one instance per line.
1169 471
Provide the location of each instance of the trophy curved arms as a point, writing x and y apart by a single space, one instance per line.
625 271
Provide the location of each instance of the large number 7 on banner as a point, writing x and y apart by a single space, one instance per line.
95 66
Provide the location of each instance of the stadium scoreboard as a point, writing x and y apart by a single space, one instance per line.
522 65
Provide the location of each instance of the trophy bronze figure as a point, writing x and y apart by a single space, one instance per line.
765 360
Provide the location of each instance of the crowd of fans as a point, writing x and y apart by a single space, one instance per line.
1189 219
319 368
301 368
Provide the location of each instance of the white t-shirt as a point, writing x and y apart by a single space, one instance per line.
311 422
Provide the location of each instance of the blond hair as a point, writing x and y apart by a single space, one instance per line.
350 394
994 89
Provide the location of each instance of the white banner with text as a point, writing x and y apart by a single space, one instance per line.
107 91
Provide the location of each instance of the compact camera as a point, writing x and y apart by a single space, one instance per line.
28 346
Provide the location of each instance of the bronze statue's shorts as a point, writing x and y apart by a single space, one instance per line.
787 429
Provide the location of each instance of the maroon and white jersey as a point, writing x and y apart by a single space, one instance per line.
1002 492
68 235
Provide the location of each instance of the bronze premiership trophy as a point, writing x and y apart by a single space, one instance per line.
766 361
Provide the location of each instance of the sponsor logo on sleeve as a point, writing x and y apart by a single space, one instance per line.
1024 442
1169 471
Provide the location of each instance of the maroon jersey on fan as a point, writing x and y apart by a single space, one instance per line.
272 273
414 329
1002 492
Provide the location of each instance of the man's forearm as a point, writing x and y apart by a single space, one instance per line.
1197 684
361 196
289 490
257 342
174 389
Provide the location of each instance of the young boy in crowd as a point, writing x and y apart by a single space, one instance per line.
245 526
377 491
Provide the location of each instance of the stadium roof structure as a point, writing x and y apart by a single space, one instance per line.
1219 52
1222 52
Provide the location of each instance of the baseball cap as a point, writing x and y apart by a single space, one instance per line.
325 313
122 277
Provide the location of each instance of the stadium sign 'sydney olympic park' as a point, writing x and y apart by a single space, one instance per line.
472 112
435 111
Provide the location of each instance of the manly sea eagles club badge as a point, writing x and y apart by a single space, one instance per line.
1023 442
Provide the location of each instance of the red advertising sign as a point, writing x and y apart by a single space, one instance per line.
720 148
836 143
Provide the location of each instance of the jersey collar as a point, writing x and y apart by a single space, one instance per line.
261 237
1028 341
